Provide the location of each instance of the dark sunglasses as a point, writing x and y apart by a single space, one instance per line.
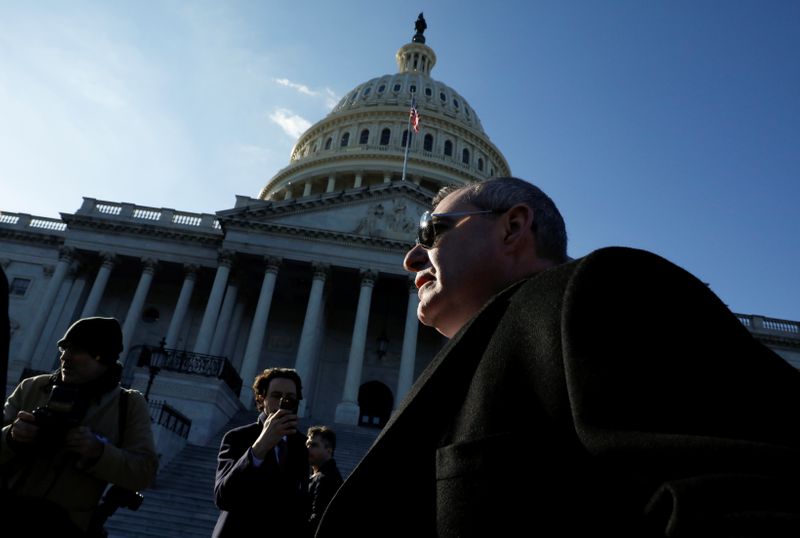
433 225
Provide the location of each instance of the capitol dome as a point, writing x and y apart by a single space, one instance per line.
362 141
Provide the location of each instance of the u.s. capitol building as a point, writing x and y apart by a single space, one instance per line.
308 274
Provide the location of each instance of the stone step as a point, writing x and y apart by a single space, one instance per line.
181 503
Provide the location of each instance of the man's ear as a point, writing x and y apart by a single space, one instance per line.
517 221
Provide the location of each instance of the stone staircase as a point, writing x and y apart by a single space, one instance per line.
181 503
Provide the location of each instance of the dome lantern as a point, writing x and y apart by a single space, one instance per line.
416 57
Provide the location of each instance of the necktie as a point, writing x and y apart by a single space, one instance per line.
282 452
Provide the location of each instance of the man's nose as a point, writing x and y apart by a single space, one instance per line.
416 259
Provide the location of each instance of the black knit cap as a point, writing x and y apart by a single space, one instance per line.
100 337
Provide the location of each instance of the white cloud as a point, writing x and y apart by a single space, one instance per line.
326 93
292 124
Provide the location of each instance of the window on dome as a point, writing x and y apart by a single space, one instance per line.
480 164
364 138
428 92
466 111
428 143
412 88
397 87
465 156
443 97
328 143
381 88
345 140
385 135
455 103
405 136
366 91
448 148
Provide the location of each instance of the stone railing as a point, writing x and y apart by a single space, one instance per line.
163 216
771 326
28 222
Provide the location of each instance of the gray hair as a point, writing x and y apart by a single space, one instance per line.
504 192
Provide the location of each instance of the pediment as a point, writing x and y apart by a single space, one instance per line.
382 212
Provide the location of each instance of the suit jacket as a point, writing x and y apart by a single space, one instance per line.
613 395
266 500
322 488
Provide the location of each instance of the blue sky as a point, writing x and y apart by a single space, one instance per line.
670 126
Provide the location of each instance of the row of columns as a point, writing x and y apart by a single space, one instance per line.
220 311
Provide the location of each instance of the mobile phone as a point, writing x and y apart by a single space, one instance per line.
289 405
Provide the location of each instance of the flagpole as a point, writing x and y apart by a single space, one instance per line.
408 143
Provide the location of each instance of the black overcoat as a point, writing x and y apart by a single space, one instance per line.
268 500
615 395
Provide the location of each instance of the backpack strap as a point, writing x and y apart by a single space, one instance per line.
123 414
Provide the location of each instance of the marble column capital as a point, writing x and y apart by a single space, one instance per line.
109 259
66 254
226 257
412 285
321 270
190 270
273 263
149 264
368 277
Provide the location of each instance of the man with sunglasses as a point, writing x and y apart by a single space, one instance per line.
263 469
610 395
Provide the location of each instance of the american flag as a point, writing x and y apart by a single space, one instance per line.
414 117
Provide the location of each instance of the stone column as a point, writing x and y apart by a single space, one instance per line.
99 285
258 329
34 331
307 189
347 410
305 362
206 333
407 357
234 336
387 177
358 180
331 183
137 304
185 296
225 315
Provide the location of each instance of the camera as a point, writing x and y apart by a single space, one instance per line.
56 418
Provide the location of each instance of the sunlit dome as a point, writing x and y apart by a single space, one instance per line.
362 141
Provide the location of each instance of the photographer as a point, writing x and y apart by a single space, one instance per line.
262 471
61 436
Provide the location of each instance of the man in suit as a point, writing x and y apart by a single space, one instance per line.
609 395
325 479
262 472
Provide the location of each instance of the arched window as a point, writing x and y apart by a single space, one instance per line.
448 148
455 103
428 144
396 87
412 89
364 137
480 164
405 137
385 135
345 140
442 96
381 88
328 143
465 156
428 92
